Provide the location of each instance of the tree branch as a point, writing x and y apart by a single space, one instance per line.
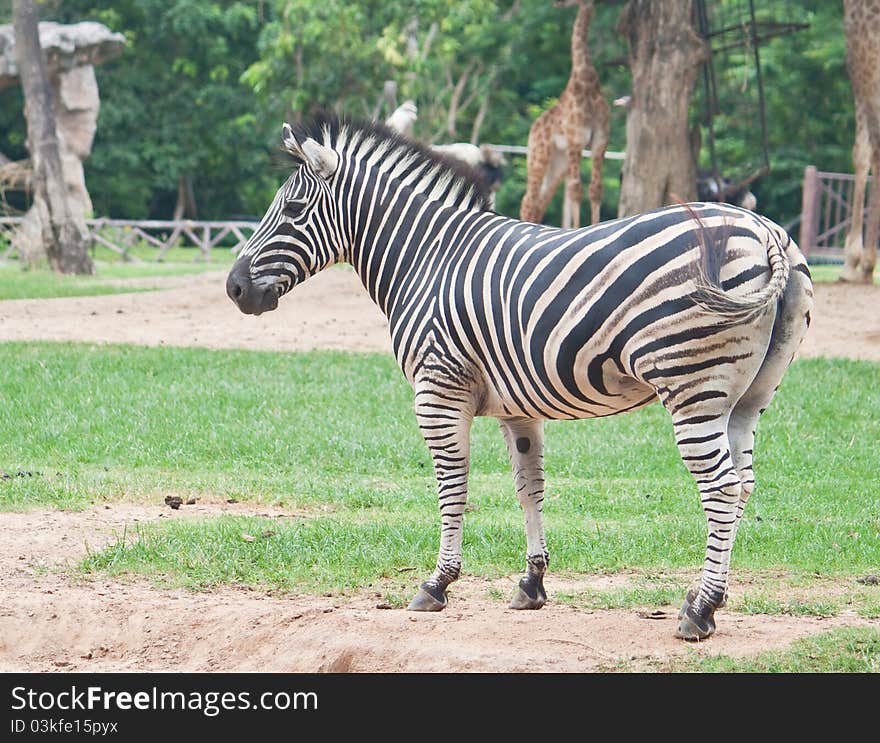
484 108
477 90
512 11
452 114
429 40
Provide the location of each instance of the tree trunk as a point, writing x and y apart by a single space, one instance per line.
665 53
63 235
186 199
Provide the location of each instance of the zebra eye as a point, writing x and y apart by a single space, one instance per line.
293 208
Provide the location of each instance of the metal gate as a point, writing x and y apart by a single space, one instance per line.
826 213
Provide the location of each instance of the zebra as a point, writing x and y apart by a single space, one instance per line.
701 306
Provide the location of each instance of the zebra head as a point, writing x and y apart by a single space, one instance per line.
298 235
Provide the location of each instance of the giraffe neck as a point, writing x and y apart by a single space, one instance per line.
581 63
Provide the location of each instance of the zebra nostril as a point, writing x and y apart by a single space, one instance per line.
236 286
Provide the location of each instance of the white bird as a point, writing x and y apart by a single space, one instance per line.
403 118
484 159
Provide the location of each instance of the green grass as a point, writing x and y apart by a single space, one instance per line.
641 597
848 650
763 604
333 435
799 594
174 255
17 282
825 272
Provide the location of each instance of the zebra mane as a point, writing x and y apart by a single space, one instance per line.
413 164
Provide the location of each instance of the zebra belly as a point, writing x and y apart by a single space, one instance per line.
544 396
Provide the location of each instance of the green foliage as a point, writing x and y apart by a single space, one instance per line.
203 85
42 283
809 104
429 48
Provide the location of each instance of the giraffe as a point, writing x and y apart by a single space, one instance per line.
861 27
558 135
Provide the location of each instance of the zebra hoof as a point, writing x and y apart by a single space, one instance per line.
688 600
691 597
530 594
693 627
429 598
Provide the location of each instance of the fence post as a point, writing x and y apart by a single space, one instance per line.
809 210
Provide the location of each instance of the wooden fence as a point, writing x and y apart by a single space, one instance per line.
826 212
119 235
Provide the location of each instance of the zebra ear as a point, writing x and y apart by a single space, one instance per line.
321 159
288 139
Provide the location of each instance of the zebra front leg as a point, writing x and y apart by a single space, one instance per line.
447 434
525 444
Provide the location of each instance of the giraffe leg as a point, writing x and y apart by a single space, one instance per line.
566 209
541 168
554 172
536 165
574 191
525 445
852 250
446 431
872 229
598 148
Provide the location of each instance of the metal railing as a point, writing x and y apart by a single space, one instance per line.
826 212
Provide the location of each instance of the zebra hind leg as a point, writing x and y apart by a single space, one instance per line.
788 332
525 445
705 449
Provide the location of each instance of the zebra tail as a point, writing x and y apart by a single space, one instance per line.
711 295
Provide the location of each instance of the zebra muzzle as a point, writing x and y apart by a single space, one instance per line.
250 298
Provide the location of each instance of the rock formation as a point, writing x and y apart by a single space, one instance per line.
72 51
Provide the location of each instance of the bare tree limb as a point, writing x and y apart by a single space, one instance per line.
387 96
429 40
452 113
477 89
481 112
512 11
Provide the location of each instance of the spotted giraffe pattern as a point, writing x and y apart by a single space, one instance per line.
861 27
556 139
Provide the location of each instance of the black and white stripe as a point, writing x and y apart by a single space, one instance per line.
702 306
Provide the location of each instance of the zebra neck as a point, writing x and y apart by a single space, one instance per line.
399 241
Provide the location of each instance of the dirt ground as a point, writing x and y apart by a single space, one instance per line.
51 620
330 311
